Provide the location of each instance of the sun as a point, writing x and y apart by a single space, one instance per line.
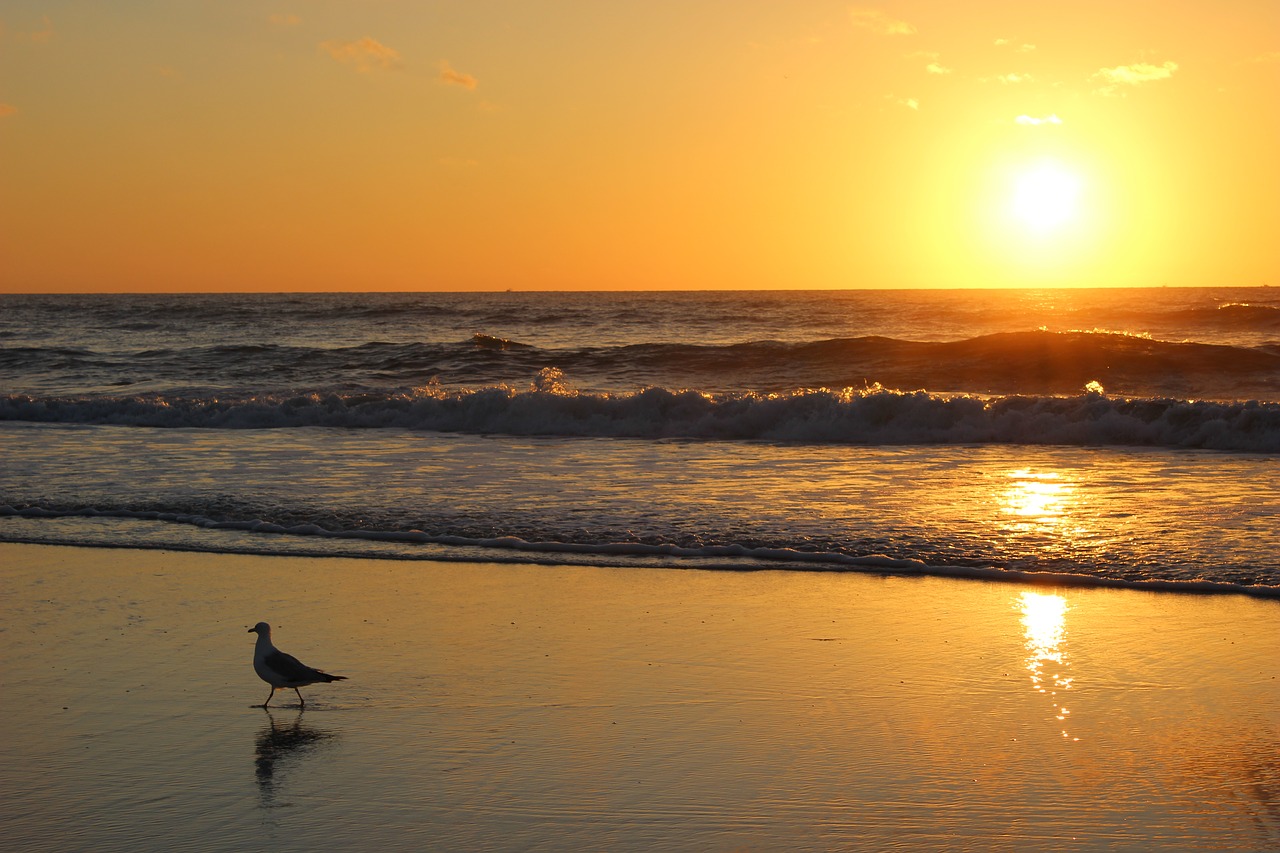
1036 218
1045 197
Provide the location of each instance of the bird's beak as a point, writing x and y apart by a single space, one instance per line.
251 631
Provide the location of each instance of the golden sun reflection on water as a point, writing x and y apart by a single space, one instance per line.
1037 497
1044 622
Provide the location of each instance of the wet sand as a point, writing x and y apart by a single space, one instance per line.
552 708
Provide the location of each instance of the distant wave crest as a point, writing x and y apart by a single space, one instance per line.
1041 362
872 416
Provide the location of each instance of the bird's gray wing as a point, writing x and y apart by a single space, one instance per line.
291 668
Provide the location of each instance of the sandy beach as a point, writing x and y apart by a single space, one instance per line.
498 707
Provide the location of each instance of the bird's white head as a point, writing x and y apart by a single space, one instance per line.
262 629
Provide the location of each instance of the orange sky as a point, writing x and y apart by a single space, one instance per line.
665 144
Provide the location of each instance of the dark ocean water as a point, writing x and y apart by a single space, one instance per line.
1098 435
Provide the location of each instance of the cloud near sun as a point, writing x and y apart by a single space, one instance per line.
1021 48
364 55
1132 75
879 22
1036 121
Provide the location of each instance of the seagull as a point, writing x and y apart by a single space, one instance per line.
281 670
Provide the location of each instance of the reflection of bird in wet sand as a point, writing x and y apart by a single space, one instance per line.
281 670
276 743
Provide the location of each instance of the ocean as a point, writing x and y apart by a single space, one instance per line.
1124 437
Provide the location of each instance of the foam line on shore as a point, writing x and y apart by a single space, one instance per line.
512 549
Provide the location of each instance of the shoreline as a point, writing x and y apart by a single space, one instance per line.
515 707
652 557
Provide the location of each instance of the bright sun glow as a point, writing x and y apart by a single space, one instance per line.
1045 197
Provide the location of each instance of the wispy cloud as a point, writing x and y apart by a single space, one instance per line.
7 110
1020 48
1010 79
1264 58
283 19
44 35
1112 79
879 22
450 77
909 103
364 55
1036 121
932 57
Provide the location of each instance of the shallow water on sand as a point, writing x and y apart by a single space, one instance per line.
1133 514
533 707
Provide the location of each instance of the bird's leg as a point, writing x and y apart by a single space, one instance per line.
269 695
301 702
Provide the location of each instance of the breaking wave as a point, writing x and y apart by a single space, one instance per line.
872 416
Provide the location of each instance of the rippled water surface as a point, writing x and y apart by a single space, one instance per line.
1110 435
1138 515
